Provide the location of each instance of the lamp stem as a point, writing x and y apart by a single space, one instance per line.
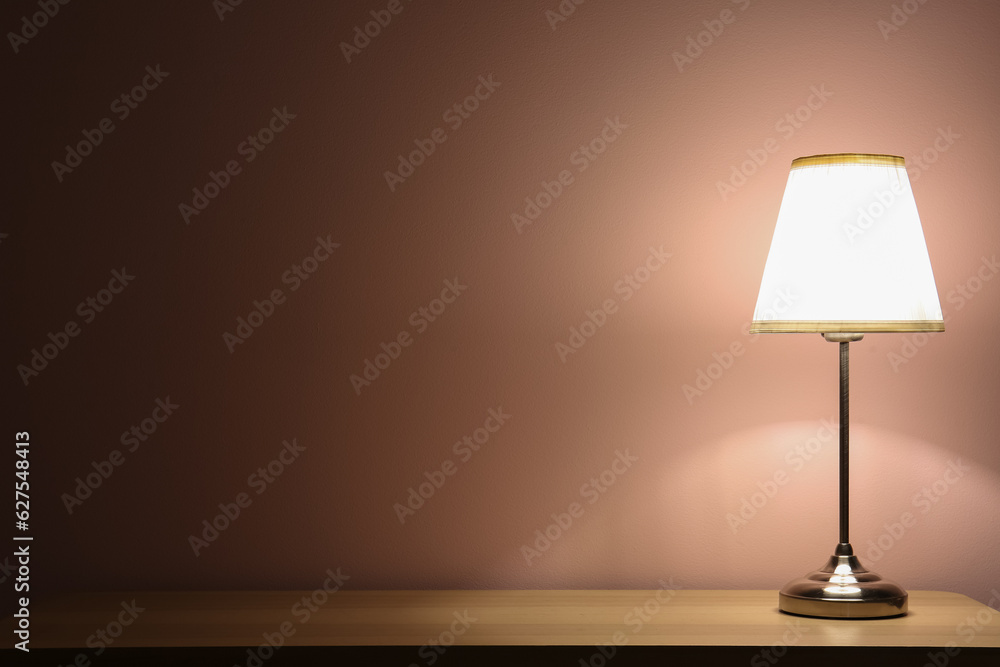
843 588
844 444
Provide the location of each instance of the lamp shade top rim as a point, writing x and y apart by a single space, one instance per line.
836 159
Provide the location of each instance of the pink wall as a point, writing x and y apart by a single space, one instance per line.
926 91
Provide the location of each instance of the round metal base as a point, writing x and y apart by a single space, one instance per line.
843 589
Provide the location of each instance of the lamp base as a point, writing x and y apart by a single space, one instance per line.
843 589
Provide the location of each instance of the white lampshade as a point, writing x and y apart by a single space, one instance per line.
848 252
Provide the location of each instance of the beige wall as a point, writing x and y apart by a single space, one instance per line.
635 226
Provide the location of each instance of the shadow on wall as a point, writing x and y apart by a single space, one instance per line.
764 505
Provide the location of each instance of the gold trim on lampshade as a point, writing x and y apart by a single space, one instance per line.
848 158
889 326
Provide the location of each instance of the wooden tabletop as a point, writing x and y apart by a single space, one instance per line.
492 617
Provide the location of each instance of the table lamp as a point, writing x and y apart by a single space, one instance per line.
849 251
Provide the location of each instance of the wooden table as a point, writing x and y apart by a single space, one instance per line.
490 627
